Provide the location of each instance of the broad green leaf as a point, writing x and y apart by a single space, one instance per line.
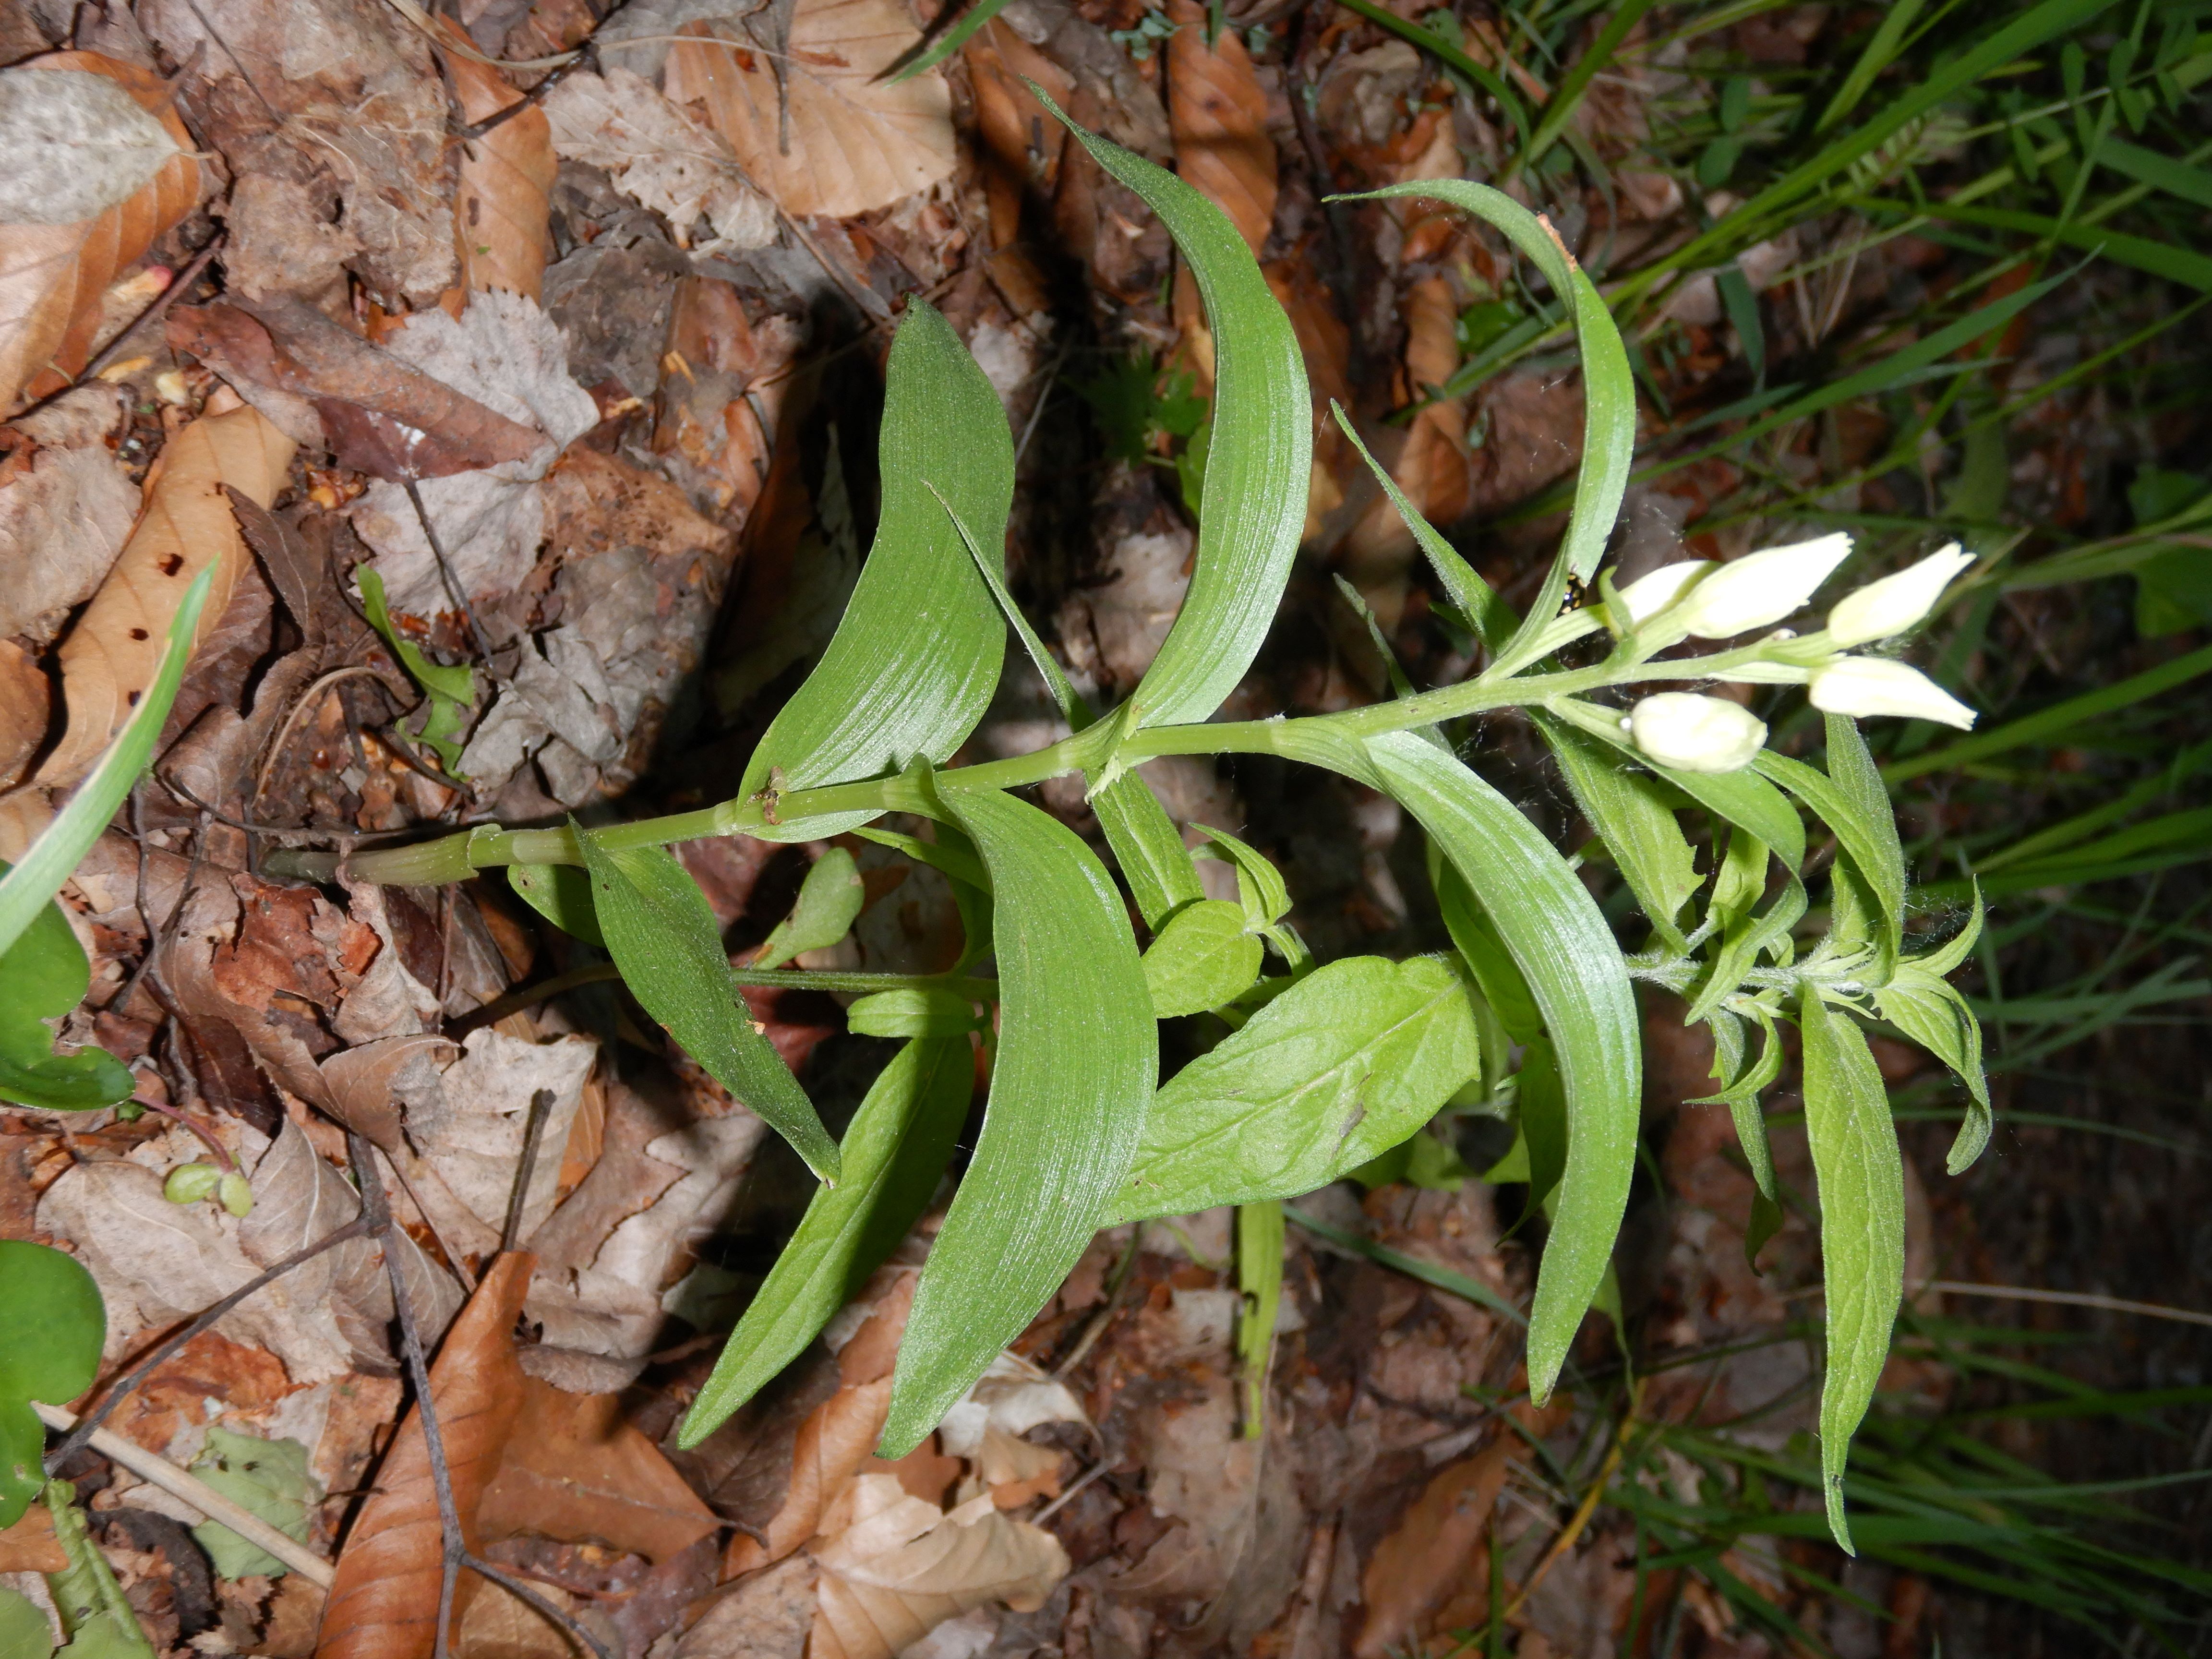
1630 813
1202 958
1861 1184
1608 389
1565 951
920 1010
1153 859
24 1633
895 1150
54 1323
829 901
1743 798
561 893
1740 1088
917 655
1078 1056
1259 1277
25 890
450 692
43 975
1543 1119
1475 937
663 937
96 1616
1258 459
1343 1066
266 1478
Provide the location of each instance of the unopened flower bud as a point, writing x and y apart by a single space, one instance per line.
1875 685
188 1184
1648 595
1693 733
1895 604
1759 589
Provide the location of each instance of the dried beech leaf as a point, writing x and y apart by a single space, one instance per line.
898 1568
80 144
502 213
359 1081
65 515
23 698
659 157
52 276
384 1604
835 1443
108 660
857 142
1219 115
577 1472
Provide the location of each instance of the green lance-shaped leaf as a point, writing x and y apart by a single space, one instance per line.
1921 1003
1202 958
662 935
1259 460
1484 611
917 655
43 975
54 1323
917 1011
25 890
1740 1088
96 1616
899 1143
1608 391
1565 950
450 692
1631 814
1078 1055
1476 937
561 893
1851 799
1341 1067
1543 1103
1262 892
829 901
1862 1183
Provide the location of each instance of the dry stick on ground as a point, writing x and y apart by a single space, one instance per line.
91 1420
454 591
378 1213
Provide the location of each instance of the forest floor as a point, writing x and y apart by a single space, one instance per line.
618 331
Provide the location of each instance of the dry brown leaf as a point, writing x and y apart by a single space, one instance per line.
361 1081
1219 115
721 411
857 142
1021 144
835 1443
23 701
575 1471
384 1604
52 277
29 1545
66 507
108 660
502 227
660 158
894 1568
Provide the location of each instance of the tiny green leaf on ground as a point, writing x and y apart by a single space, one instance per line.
264 1478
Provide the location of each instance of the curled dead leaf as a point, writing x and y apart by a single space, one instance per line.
1219 115
361 1083
659 157
384 1604
52 276
857 142
108 658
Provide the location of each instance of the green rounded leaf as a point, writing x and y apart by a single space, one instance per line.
188 1184
1077 1059
24 1633
43 975
52 1324
1202 958
917 655
921 1010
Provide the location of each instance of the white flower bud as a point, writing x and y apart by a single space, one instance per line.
1875 685
1692 733
1759 589
1648 595
1895 604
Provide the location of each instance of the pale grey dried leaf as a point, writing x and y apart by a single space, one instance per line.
77 144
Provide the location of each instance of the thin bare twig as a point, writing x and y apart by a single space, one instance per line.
87 1425
2071 1299
153 313
518 1199
454 591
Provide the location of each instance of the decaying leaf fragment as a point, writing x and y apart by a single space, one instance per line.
502 213
108 658
53 272
659 157
855 141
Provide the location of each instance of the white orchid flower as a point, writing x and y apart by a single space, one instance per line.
1759 589
1875 685
1888 607
1648 595
1693 733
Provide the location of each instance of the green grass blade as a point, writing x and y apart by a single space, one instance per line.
1568 94
1442 1279
896 1149
1258 459
948 42
917 655
1078 1058
1881 51
664 940
1479 602
1861 1186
